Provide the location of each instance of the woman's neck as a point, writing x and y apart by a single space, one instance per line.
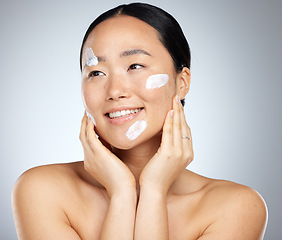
137 157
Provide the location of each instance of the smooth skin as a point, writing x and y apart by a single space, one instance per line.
137 189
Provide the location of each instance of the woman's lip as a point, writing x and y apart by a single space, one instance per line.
122 120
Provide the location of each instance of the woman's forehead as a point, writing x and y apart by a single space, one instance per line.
123 27
124 35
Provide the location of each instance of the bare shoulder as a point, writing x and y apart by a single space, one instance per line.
38 199
236 197
50 184
44 178
234 210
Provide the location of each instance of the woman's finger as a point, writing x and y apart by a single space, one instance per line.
82 135
186 139
177 132
91 137
186 132
167 130
184 126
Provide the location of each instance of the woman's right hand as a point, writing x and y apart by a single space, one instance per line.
102 164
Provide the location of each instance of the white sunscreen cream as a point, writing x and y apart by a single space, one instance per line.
136 129
91 117
91 59
157 81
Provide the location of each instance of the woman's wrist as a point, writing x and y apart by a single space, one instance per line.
153 191
124 194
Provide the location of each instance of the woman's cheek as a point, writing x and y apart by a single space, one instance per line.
89 98
157 81
160 89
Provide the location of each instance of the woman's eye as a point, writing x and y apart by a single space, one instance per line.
135 66
95 74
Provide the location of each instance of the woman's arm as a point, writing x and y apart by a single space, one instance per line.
242 213
151 216
118 180
174 155
39 199
120 217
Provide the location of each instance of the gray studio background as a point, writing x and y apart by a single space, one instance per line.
233 108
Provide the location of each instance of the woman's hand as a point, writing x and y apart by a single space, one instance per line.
174 154
102 164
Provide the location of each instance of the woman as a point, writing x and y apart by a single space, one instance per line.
133 182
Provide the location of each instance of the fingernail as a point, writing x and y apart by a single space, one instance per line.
177 99
89 116
171 113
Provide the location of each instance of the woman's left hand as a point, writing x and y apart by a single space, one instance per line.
174 154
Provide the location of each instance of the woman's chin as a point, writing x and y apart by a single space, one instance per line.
124 145
127 144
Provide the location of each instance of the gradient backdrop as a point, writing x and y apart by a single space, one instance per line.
233 108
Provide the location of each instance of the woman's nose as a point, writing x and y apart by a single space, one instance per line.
117 88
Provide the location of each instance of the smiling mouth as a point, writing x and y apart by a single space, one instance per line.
123 113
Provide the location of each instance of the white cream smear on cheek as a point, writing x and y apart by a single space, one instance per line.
136 129
157 81
91 59
91 117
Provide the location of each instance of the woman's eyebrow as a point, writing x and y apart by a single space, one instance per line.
133 52
100 59
125 53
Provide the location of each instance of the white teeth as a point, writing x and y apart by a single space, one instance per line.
123 113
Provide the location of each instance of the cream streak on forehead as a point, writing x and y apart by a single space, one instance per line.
157 81
91 59
136 129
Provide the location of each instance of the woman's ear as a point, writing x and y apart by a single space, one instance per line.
183 82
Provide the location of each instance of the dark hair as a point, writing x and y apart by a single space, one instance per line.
170 32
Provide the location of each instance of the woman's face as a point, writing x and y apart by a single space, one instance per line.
129 82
